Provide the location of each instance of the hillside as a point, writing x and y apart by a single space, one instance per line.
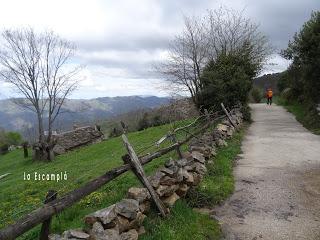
268 80
81 166
13 117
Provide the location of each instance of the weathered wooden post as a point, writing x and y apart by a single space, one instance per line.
45 228
139 172
174 140
228 116
25 149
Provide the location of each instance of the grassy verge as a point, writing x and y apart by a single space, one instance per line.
308 117
217 185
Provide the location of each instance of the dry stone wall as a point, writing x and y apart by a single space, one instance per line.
123 220
76 138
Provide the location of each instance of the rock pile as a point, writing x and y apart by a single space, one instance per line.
123 220
78 137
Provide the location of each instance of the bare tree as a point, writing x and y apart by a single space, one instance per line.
222 31
187 57
37 65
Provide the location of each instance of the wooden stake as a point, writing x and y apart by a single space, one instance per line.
228 116
174 140
136 164
45 228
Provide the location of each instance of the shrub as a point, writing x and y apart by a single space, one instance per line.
4 148
256 94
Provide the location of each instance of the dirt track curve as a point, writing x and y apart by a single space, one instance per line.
277 193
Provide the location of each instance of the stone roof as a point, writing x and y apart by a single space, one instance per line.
78 137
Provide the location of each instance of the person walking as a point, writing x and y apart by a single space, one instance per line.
269 95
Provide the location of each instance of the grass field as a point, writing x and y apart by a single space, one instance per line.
308 119
19 197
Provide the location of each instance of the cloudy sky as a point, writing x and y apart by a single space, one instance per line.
119 40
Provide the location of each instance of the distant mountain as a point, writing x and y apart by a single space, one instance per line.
13 117
268 80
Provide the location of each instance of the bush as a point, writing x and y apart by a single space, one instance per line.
4 148
227 80
256 94
246 112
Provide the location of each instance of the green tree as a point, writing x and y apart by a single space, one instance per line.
227 80
304 51
144 122
13 138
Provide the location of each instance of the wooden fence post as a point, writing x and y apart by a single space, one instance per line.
174 140
138 170
206 113
25 149
45 228
228 116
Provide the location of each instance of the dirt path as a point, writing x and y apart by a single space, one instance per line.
277 193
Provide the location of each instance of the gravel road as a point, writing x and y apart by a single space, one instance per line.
277 193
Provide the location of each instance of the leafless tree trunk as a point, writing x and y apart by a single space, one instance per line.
37 66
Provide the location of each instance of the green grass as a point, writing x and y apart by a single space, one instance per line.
217 185
19 197
308 118
182 223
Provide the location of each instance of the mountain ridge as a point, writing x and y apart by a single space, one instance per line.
15 118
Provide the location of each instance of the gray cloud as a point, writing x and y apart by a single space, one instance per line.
125 38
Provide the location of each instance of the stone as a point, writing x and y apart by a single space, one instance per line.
230 131
166 180
127 208
197 156
182 190
155 179
141 230
111 234
57 149
55 237
167 171
78 137
98 233
222 127
170 163
139 194
97 230
200 168
122 223
130 235
187 177
105 216
183 162
164 190
137 222
196 178
204 150
221 143
78 234
187 155
145 206
170 201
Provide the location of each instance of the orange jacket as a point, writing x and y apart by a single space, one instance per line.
269 93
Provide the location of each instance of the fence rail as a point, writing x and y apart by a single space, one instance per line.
48 210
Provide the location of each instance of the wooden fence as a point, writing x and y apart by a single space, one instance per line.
53 205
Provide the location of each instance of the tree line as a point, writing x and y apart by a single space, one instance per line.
301 81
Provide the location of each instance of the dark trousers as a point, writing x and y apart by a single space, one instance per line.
269 100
